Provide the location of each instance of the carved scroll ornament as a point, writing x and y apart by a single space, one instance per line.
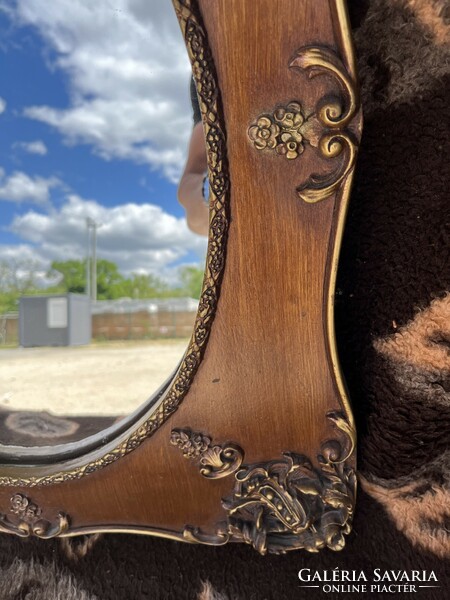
287 129
28 521
214 461
284 504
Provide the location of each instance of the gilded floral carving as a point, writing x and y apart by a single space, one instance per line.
264 133
280 131
289 503
29 522
283 504
214 461
192 445
26 510
288 129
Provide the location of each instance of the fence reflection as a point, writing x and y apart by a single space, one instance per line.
125 320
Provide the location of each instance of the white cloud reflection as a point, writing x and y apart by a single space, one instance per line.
128 74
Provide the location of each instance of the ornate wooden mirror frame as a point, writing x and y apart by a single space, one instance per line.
253 438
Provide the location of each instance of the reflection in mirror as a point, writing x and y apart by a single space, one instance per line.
100 264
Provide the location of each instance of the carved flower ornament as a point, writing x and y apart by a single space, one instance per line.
283 504
29 522
193 445
264 134
327 127
280 131
20 505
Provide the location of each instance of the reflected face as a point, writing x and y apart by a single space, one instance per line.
99 272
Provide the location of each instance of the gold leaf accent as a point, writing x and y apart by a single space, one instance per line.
319 187
319 61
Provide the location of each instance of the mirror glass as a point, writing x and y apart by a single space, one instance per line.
100 273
